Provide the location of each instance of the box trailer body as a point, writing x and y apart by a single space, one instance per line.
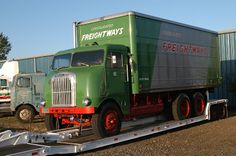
167 55
130 65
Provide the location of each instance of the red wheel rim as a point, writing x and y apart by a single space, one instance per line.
185 108
200 104
111 121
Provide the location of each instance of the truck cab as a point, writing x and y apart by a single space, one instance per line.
83 80
8 70
26 94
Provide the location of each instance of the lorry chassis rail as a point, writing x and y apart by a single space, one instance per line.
58 142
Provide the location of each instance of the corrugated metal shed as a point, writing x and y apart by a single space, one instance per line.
34 64
227 49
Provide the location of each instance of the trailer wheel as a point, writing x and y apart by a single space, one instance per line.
181 107
198 104
219 111
25 114
223 112
52 123
108 121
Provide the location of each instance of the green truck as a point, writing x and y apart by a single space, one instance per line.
130 65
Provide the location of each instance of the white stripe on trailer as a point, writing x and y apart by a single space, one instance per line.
21 138
5 135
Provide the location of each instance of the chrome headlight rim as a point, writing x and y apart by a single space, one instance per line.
86 101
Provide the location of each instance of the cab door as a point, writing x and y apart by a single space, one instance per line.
23 90
117 72
37 87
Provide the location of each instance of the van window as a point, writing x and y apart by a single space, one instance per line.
23 82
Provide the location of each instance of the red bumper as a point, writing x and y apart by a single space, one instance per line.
68 110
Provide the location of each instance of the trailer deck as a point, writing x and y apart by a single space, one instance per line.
68 141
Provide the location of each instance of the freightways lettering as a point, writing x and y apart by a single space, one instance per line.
101 34
182 48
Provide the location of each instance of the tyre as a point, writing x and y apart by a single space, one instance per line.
218 112
181 107
52 123
198 104
25 114
223 112
108 121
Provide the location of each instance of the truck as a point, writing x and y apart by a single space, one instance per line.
33 66
26 95
130 66
8 70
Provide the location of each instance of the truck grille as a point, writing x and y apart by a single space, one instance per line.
63 89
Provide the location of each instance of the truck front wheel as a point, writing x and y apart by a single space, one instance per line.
108 121
25 114
181 107
52 123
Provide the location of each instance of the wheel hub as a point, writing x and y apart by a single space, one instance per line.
185 108
25 114
200 106
111 121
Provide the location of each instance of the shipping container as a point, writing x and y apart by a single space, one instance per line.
227 50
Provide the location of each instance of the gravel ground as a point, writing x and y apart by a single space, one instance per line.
9 122
208 138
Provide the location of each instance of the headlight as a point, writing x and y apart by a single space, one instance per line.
42 103
86 101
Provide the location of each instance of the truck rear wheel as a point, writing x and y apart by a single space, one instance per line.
108 121
198 104
25 114
181 107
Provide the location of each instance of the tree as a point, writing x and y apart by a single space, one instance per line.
5 46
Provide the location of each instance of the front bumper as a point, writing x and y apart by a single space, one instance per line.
67 110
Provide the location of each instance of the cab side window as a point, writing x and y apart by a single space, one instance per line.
23 82
3 82
115 60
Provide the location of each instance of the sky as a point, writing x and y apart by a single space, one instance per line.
41 27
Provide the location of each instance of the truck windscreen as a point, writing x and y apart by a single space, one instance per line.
88 58
61 61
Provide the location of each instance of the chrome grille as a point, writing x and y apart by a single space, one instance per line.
63 89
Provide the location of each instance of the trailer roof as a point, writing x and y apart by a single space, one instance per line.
26 58
227 31
145 16
36 56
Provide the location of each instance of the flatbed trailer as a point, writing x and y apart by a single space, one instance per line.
62 142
